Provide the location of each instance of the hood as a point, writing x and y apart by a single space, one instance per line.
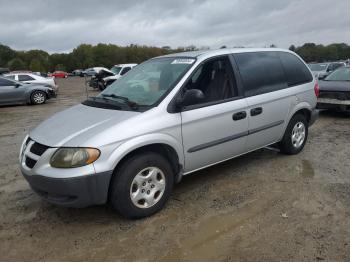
114 77
76 125
334 86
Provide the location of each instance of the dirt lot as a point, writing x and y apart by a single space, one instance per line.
260 207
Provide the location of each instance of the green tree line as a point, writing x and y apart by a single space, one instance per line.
107 55
311 52
82 57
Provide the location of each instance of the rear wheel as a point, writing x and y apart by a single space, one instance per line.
295 137
38 97
142 185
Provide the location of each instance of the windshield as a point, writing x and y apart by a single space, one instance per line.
116 69
148 82
342 74
318 67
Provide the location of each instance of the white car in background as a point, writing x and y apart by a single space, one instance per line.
31 78
118 70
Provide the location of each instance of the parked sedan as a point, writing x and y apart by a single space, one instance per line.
30 78
59 74
14 92
322 70
335 90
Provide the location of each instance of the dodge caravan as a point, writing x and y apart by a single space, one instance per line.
168 117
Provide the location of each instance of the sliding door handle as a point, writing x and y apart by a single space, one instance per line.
256 111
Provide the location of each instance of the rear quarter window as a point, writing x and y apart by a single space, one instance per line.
261 72
25 78
296 71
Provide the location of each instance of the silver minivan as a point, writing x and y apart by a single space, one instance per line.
168 117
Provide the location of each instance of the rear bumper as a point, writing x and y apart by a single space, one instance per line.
78 192
313 117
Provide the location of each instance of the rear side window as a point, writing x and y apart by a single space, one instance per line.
25 78
296 71
261 72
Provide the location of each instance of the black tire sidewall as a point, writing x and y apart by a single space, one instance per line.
286 144
120 185
32 99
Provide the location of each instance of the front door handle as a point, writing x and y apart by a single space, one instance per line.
239 115
256 111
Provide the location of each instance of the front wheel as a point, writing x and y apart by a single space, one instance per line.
142 185
295 137
38 97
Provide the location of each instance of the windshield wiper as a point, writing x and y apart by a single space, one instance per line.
131 104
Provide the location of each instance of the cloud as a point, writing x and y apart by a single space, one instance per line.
58 26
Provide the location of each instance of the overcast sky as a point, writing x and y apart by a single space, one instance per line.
59 26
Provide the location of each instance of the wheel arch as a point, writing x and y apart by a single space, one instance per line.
30 93
165 149
302 108
163 144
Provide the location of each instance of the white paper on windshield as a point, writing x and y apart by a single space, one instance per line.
183 61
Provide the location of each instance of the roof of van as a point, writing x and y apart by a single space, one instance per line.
212 52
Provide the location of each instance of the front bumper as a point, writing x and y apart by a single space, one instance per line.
78 192
333 103
51 94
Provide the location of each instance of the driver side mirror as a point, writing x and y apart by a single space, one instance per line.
191 97
17 85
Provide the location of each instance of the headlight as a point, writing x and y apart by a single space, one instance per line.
74 157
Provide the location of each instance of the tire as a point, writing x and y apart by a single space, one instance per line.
136 191
38 97
101 86
295 137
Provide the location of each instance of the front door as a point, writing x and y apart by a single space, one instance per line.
10 92
215 129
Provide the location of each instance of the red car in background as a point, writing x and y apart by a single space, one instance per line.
59 74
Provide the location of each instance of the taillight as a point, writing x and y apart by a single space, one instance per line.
317 89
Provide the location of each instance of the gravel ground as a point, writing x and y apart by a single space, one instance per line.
263 206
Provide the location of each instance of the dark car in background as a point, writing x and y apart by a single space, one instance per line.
14 92
322 70
4 71
335 91
78 72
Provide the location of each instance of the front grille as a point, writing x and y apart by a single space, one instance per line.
38 149
27 141
30 162
335 95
